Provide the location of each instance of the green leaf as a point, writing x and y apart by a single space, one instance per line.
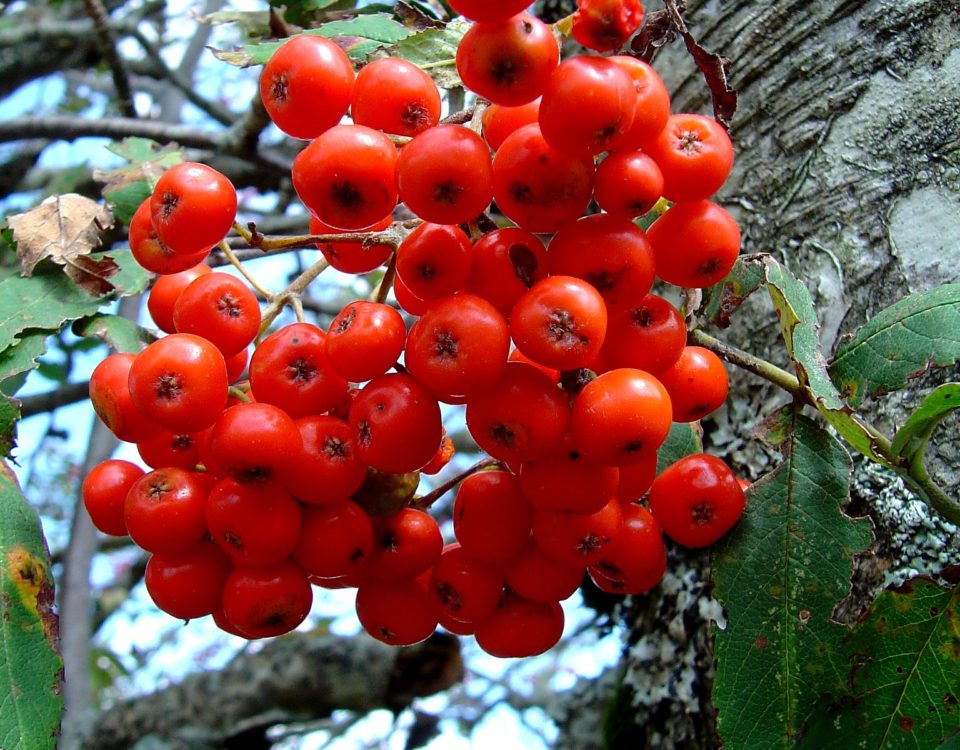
722 300
900 343
913 436
131 278
9 416
120 334
358 37
44 300
778 575
435 50
899 685
22 355
683 440
127 187
30 665
798 324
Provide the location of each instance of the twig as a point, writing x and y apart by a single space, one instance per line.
436 493
750 363
235 262
108 48
383 288
41 403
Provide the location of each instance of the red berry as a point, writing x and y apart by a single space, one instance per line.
347 177
266 602
188 584
180 382
445 176
695 155
193 207
396 423
520 628
254 526
104 492
165 511
508 61
220 308
696 500
696 382
695 244
306 85
605 25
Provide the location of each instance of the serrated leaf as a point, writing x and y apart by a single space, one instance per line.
358 37
131 278
899 343
800 329
684 439
723 299
127 187
45 301
22 355
916 431
435 50
66 229
899 685
120 334
778 575
30 665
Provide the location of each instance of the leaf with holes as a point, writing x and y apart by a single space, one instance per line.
800 329
723 299
778 575
30 665
899 686
899 343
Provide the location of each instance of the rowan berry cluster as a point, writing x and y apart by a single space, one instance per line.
570 369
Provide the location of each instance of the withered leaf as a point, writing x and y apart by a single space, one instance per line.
66 229
415 18
660 27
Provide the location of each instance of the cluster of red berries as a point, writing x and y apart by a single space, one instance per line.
309 479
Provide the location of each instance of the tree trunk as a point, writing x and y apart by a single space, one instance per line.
848 171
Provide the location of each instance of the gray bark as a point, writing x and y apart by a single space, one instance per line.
848 171
298 678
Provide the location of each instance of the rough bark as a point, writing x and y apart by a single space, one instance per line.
296 678
848 170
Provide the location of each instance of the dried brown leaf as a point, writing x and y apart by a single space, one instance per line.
660 28
66 229
415 18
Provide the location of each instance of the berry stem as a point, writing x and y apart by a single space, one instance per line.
749 362
235 262
292 296
239 394
439 64
436 493
383 288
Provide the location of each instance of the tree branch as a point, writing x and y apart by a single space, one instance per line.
71 393
296 678
66 127
108 47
